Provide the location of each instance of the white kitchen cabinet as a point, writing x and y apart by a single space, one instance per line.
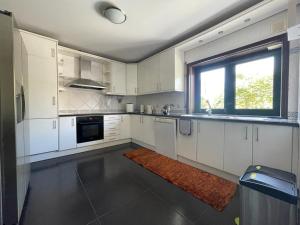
125 130
163 72
187 145
39 45
118 79
142 129
131 79
148 76
148 130
67 133
272 146
41 81
237 147
210 143
41 88
141 78
112 128
171 71
136 127
43 135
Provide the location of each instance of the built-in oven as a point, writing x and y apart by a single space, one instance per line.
89 128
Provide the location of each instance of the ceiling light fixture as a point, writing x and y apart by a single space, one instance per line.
114 15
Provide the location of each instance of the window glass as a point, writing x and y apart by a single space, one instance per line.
212 88
254 84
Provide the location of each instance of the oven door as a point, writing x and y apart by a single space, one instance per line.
89 131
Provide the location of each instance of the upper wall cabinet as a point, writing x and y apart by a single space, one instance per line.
41 82
163 72
131 79
118 79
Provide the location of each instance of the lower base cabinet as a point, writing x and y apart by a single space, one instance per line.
210 143
67 133
43 135
273 146
142 129
237 147
125 131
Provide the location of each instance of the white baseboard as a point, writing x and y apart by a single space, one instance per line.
51 155
208 169
143 144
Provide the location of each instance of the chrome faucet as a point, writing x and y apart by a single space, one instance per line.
209 110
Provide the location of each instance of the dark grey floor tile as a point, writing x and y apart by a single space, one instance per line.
214 217
184 202
95 222
109 187
57 197
147 210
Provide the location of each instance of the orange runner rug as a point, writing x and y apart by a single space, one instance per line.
207 187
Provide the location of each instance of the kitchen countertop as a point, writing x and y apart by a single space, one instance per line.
230 118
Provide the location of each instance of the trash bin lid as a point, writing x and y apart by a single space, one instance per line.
276 183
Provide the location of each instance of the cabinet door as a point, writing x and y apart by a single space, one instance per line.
43 135
167 70
39 46
238 147
67 133
125 127
187 145
272 146
135 127
151 79
148 130
41 88
118 73
141 76
210 143
131 79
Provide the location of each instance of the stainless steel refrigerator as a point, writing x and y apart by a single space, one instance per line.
14 157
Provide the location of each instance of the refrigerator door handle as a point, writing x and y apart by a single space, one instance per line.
23 103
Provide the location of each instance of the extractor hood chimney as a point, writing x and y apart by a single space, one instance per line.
84 81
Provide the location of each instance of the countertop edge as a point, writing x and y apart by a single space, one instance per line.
270 121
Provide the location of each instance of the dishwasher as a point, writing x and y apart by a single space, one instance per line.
165 136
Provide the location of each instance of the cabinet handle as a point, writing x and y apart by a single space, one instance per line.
257 134
52 52
246 133
53 100
73 122
54 124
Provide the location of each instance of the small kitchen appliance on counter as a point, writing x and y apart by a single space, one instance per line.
149 109
142 108
130 107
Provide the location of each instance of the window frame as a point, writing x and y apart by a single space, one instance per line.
280 86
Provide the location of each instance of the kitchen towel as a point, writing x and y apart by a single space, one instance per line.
185 127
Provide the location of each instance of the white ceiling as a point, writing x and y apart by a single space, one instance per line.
150 25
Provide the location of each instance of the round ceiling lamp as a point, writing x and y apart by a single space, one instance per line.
114 15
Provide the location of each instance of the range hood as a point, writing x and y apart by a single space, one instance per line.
84 81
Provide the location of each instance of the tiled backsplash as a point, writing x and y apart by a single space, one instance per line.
81 100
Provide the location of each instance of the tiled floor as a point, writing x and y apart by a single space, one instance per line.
109 189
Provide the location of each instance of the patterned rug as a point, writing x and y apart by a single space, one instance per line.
207 187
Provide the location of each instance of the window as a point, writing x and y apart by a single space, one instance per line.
212 92
248 83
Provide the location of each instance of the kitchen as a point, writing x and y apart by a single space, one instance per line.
107 131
